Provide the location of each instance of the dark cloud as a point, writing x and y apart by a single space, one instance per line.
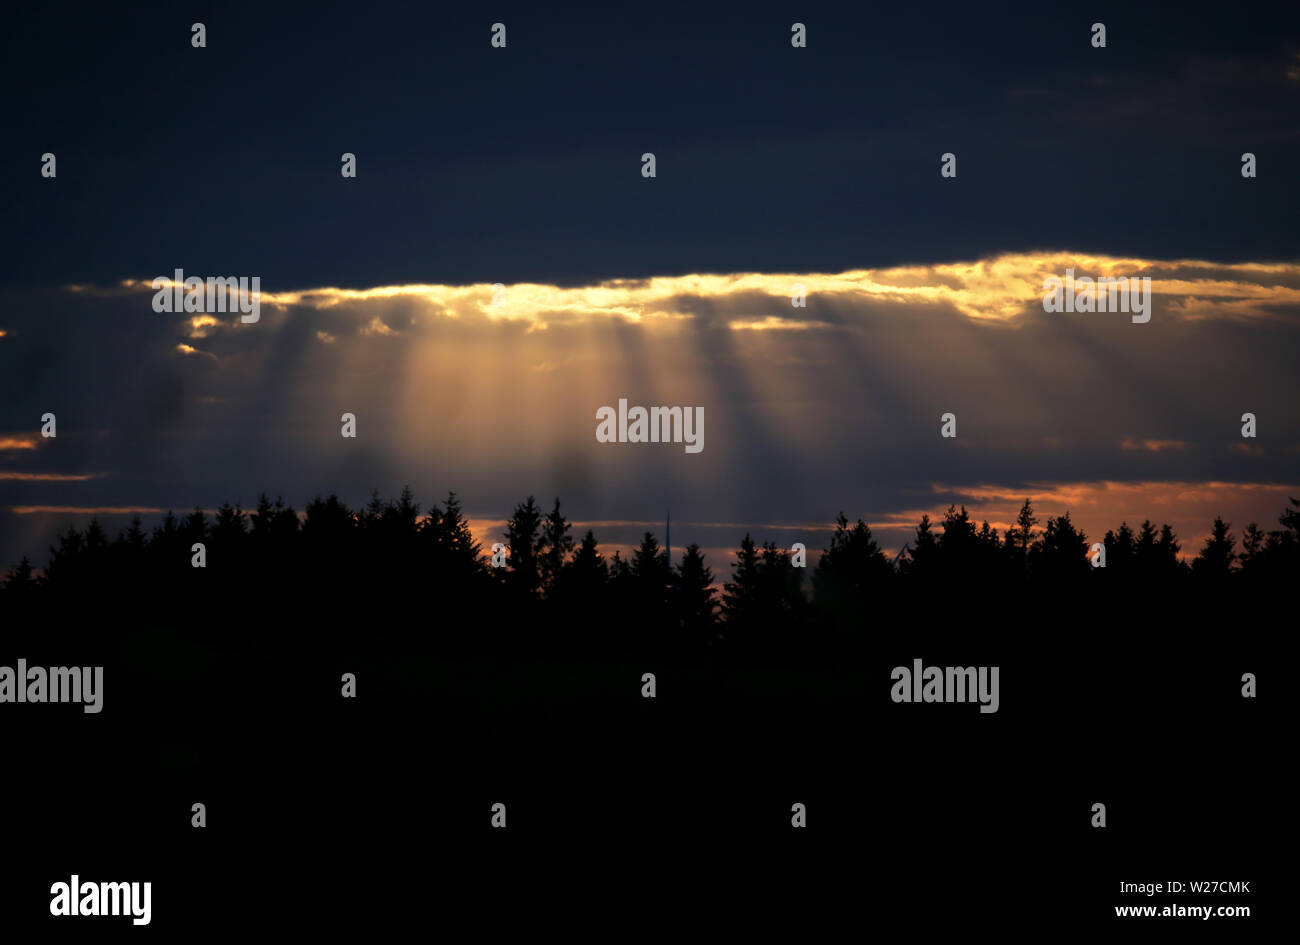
522 164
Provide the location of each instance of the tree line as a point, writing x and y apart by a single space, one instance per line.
395 547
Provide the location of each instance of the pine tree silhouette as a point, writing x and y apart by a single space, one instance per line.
1252 545
1217 555
1020 536
695 601
523 541
851 573
1063 551
20 580
554 548
742 595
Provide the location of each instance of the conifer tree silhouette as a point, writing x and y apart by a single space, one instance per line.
554 548
1217 555
742 595
1167 553
1121 550
456 553
1252 545
695 601
957 545
921 562
588 565
582 589
780 586
851 571
523 541
648 587
990 563
1020 537
20 580
1062 552
66 560
1146 554
620 572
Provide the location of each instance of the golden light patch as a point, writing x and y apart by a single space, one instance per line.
771 323
200 324
1004 288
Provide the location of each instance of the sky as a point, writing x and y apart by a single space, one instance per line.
775 166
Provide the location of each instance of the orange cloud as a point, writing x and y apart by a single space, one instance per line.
49 477
85 510
1153 446
188 350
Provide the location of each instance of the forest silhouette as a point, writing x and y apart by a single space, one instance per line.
392 566
526 683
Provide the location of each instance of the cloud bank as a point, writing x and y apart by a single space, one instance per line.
493 392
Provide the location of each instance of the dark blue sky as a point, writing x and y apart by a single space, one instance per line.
480 164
